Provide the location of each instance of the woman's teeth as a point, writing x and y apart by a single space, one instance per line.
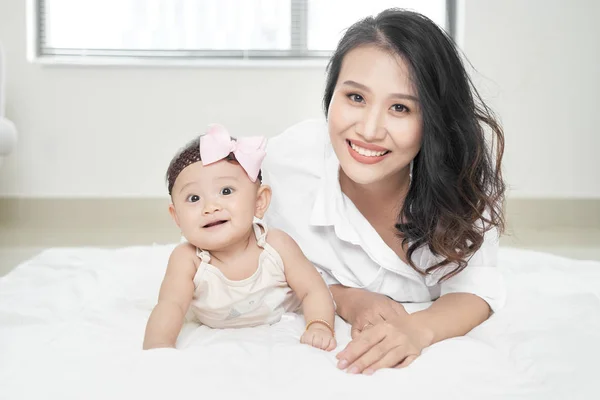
367 153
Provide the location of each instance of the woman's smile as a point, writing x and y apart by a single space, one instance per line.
366 153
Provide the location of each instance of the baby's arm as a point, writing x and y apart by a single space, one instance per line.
175 295
307 283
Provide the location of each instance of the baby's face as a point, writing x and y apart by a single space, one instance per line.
214 205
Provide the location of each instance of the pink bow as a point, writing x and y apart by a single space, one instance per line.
216 144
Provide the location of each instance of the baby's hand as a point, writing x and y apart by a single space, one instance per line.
319 336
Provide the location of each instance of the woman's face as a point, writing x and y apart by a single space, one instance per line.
374 117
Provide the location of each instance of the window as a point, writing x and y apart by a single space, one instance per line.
205 29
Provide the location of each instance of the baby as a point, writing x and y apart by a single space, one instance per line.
232 272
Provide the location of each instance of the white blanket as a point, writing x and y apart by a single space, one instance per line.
72 323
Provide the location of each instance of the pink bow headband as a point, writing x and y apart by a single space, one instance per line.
249 152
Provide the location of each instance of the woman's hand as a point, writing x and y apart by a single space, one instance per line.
364 309
395 342
384 335
381 339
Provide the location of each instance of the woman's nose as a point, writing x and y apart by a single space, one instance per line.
371 127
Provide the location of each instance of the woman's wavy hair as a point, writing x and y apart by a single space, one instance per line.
457 190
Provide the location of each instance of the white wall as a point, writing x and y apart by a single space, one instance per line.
110 132
539 64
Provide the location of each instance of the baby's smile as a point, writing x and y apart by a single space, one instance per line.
214 224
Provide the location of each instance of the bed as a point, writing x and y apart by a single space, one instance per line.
72 322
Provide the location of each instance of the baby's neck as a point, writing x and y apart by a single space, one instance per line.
235 251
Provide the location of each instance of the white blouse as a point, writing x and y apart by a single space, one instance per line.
308 204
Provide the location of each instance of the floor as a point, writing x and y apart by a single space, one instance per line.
18 245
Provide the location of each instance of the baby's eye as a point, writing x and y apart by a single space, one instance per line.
192 198
226 191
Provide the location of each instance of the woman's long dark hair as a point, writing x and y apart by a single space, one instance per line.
457 190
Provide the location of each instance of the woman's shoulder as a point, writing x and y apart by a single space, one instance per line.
301 146
293 168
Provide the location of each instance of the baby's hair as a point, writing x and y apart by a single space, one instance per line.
190 154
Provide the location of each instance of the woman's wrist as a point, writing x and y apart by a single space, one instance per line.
340 296
452 315
419 322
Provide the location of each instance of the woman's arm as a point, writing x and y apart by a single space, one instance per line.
465 302
454 314
306 282
176 293
385 336
361 308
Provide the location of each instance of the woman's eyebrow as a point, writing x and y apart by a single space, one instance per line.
358 85
395 95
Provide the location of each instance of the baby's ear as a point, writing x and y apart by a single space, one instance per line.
263 199
173 214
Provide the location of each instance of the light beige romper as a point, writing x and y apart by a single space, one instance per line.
260 299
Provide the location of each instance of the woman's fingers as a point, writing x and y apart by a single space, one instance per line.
391 359
378 354
398 308
366 321
359 346
358 328
407 361
384 345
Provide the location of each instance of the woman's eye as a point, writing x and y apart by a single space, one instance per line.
226 191
193 198
357 98
399 108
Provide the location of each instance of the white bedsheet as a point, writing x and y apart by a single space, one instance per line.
72 323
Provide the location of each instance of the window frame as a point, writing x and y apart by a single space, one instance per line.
298 56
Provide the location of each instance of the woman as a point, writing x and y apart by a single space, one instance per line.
396 197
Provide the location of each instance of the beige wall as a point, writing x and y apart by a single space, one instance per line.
110 131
